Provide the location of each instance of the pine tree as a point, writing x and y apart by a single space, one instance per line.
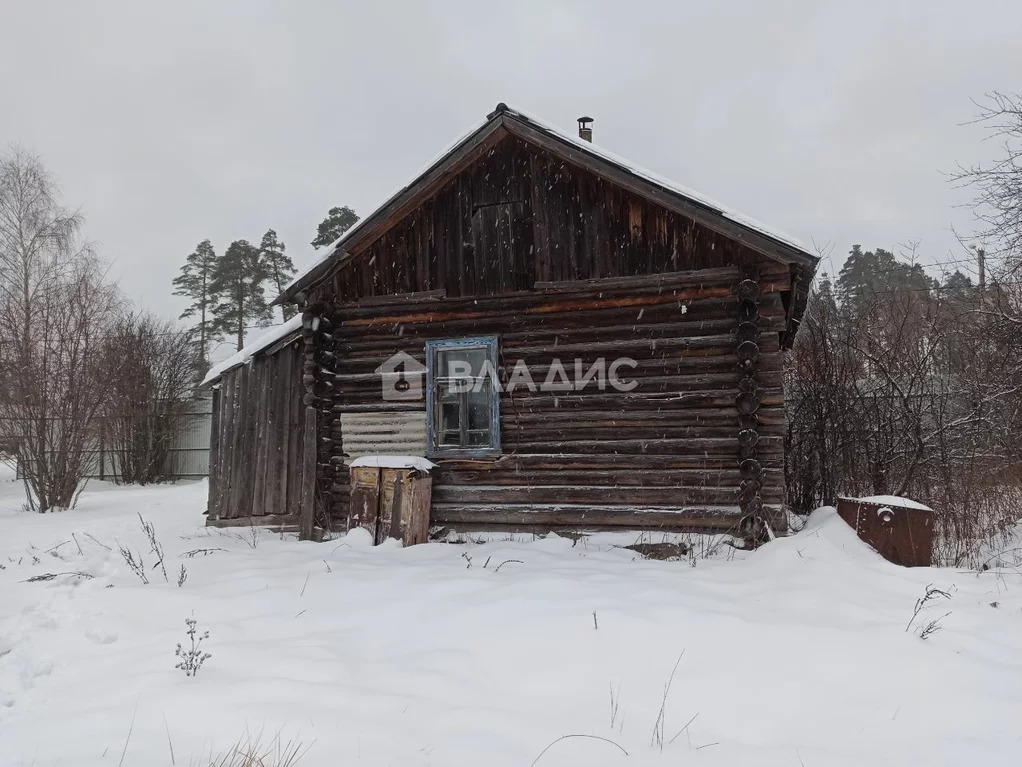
867 276
195 283
278 266
238 285
336 223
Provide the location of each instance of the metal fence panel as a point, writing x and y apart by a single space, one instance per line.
189 457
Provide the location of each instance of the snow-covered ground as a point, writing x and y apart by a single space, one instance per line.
483 654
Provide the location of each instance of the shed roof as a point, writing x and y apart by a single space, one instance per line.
503 120
281 333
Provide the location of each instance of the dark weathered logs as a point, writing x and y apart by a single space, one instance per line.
704 391
667 518
748 350
747 402
748 437
747 331
597 495
748 290
750 468
307 512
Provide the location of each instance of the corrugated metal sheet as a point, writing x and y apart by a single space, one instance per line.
384 433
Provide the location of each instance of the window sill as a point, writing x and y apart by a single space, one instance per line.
476 454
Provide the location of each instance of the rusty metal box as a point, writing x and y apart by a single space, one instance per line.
899 529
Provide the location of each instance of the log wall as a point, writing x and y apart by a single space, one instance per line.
666 455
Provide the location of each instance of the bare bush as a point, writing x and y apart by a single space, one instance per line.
144 412
911 389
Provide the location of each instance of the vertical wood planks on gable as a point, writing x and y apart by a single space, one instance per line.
568 223
540 256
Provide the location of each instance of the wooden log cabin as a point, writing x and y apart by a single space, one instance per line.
573 341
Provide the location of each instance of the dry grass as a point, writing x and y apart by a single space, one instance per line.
976 523
252 752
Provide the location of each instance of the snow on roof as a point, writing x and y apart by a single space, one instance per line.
654 178
582 145
895 500
394 462
293 325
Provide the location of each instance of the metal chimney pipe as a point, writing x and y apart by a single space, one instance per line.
585 129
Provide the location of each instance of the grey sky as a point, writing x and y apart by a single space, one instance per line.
172 122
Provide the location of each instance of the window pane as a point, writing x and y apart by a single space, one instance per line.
461 362
478 439
450 417
479 409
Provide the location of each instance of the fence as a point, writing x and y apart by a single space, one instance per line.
189 456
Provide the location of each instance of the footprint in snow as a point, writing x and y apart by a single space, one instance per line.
100 637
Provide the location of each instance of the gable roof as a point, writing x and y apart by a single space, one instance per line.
504 120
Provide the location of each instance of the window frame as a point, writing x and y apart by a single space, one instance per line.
433 350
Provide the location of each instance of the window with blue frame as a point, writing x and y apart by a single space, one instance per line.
462 397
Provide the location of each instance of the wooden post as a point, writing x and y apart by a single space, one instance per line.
307 513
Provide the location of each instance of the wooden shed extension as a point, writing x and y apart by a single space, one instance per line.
528 250
258 434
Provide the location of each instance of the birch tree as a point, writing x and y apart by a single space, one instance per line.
55 308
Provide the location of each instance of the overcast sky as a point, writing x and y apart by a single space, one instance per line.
172 122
